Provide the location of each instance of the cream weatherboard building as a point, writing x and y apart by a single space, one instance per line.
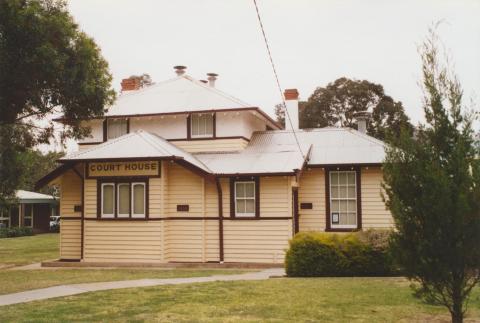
182 172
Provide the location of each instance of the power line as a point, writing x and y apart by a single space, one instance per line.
276 78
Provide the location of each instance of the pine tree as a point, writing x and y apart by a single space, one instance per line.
432 184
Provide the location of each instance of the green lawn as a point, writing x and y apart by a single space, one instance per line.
27 250
12 281
274 300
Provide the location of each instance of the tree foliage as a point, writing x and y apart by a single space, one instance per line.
432 185
37 164
46 65
336 104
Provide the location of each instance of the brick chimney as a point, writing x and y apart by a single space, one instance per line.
131 84
291 102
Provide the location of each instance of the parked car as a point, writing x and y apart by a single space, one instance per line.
55 223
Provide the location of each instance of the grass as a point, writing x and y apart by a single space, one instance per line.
27 250
12 281
274 300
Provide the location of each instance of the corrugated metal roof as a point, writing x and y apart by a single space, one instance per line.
139 144
182 93
27 195
276 151
330 145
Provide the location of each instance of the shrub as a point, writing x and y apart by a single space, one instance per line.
15 232
355 254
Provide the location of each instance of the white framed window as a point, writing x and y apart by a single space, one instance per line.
138 200
28 215
343 199
201 125
116 128
107 200
245 198
4 218
123 200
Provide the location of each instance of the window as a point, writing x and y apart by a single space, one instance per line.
4 218
245 198
138 199
116 128
28 215
108 198
202 125
343 199
123 199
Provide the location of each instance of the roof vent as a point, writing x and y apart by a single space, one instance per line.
212 77
180 70
204 81
362 120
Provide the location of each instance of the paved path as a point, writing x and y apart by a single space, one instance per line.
74 289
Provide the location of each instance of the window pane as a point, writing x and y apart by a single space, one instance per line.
250 206
123 199
351 192
240 206
116 128
240 189
335 206
351 178
333 178
250 190
107 199
343 206
352 206
202 125
334 192
343 192
351 218
342 178
138 199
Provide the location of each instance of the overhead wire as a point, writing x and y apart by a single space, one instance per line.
287 115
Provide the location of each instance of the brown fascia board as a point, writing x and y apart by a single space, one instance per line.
344 165
256 109
52 175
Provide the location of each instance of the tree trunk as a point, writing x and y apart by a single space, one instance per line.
457 308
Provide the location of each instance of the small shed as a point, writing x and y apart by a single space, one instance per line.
32 210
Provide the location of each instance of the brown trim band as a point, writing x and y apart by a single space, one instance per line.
90 143
99 160
256 174
343 166
206 139
256 109
183 218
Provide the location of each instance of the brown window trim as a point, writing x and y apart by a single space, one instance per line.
116 181
358 176
255 179
189 127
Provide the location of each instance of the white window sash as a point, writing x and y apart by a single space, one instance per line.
245 214
342 226
200 121
122 215
107 215
138 215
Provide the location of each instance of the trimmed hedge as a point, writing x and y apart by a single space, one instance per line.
15 232
364 253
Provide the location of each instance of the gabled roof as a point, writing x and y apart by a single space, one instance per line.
330 146
182 93
136 145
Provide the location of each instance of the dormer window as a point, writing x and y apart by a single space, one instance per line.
202 125
116 128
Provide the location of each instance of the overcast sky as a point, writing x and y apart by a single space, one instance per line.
313 42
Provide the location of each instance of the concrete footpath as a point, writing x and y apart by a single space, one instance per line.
74 289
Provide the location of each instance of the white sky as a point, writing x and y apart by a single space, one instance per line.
313 42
